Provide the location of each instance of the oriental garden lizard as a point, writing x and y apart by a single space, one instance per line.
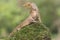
34 15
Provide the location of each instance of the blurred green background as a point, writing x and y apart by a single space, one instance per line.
12 14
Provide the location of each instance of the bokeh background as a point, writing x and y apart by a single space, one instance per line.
13 13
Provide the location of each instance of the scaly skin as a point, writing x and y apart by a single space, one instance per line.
33 17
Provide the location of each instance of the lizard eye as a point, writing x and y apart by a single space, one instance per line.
29 5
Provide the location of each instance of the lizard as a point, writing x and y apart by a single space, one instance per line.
34 14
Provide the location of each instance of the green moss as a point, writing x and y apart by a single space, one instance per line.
34 31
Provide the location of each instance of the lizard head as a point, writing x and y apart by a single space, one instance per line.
30 5
27 5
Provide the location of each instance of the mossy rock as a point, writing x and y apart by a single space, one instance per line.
35 31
